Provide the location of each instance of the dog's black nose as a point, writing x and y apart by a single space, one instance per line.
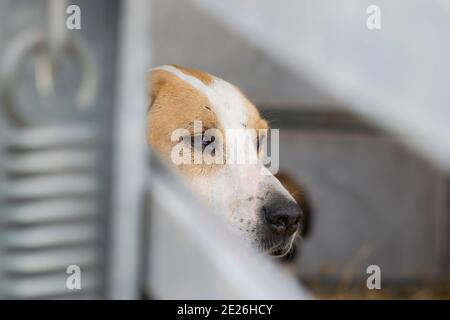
282 216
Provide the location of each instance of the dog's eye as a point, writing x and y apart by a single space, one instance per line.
207 140
202 140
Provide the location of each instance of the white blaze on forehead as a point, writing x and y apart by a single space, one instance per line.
230 105
225 99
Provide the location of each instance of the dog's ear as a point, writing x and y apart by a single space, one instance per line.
298 193
156 80
160 77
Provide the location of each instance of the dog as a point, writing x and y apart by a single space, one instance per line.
254 202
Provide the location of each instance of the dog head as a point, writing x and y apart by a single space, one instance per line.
198 117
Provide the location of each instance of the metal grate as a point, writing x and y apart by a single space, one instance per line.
51 183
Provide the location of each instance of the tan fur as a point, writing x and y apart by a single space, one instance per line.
204 77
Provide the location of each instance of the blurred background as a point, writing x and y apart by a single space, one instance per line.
363 118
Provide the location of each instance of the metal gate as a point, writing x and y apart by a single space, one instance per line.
52 198
67 200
